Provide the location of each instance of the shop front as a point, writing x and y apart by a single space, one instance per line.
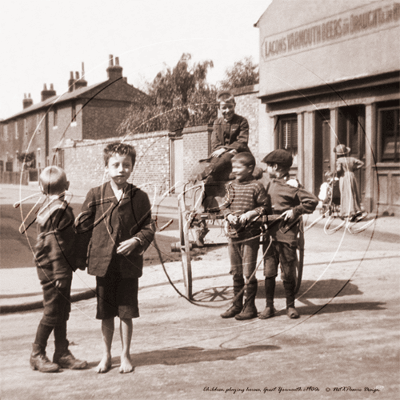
329 75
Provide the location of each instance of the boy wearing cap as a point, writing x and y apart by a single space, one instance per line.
290 200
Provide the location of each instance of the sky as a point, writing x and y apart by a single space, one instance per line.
41 41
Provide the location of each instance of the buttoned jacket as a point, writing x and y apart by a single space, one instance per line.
238 128
105 222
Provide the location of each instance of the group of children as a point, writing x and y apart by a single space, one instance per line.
114 229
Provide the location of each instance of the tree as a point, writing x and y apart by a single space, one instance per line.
177 97
243 73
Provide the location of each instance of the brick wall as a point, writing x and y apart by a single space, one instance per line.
101 118
196 146
247 105
84 165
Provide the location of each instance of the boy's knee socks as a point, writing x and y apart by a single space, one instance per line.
270 291
60 335
42 334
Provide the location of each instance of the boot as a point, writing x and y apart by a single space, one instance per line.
236 308
39 360
269 310
290 296
201 232
64 358
249 310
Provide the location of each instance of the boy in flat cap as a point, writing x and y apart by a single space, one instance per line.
290 200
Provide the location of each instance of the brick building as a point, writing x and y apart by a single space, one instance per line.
84 112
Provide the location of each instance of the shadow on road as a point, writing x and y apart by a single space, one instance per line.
188 355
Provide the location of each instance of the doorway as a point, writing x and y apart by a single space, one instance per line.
351 132
322 148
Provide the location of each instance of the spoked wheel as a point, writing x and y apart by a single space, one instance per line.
300 256
185 249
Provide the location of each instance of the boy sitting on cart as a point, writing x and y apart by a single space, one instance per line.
230 136
290 201
246 201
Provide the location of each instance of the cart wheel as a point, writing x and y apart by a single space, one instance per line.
300 256
185 249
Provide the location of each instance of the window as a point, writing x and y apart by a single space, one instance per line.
9 166
16 130
389 138
287 135
55 117
6 133
38 129
25 126
73 113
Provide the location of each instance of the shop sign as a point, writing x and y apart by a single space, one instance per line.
357 22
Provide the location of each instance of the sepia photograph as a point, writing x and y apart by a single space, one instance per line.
200 199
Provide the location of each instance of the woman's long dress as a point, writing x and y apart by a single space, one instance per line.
349 197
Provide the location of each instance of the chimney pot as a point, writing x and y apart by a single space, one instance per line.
51 86
44 87
76 75
111 60
117 61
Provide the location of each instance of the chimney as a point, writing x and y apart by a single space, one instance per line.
46 94
27 101
80 82
114 72
71 81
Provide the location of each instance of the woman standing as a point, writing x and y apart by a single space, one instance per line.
349 198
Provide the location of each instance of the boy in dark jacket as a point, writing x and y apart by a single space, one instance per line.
54 258
290 201
115 229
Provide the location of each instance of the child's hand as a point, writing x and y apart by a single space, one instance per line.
287 215
247 216
126 247
61 283
232 219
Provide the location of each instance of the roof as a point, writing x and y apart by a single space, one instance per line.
67 96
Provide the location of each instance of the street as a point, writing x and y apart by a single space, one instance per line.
344 346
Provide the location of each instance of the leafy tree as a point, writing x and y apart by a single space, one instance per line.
243 73
177 97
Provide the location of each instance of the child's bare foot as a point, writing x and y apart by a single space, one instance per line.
104 365
126 365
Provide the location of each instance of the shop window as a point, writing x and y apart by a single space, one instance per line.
288 135
9 166
389 121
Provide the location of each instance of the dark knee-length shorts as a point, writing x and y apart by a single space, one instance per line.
116 296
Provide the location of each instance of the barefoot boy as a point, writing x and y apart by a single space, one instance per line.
116 228
54 258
